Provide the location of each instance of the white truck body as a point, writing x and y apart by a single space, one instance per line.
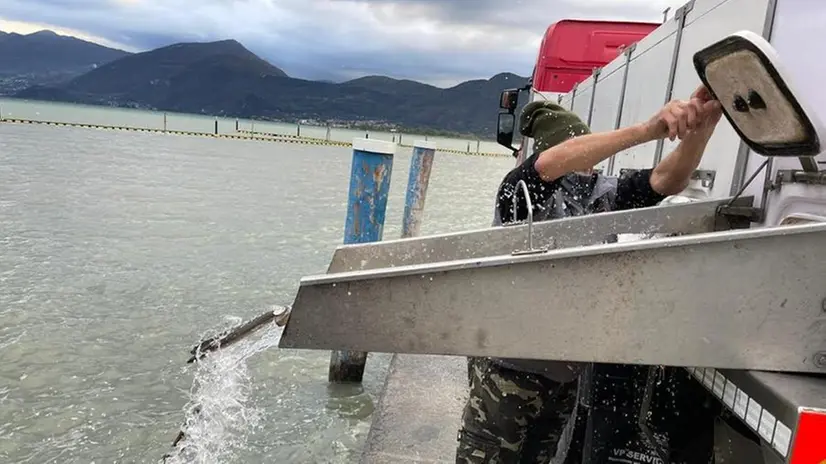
631 88
644 73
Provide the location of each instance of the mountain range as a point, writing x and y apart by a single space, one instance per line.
224 78
46 58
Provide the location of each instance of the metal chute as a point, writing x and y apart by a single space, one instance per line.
745 299
736 299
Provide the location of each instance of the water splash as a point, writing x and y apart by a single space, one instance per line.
219 416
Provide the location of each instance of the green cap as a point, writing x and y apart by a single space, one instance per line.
550 124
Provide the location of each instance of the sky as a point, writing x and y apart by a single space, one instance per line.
440 42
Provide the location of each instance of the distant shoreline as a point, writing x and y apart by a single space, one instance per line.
61 114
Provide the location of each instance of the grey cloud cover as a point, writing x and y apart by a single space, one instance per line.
436 41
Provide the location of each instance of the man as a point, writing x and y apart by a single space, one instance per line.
518 409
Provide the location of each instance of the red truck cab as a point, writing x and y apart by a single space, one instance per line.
571 49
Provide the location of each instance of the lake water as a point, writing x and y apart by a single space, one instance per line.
119 250
100 115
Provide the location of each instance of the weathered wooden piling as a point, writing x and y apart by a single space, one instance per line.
370 173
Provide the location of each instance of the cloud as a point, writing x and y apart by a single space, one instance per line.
436 41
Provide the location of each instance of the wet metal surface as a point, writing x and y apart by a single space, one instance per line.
687 218
747 299
420 411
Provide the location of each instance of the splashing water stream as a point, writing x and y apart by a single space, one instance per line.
218 414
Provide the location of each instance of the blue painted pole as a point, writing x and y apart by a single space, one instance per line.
366 206
420 167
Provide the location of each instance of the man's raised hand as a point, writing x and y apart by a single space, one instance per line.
678 118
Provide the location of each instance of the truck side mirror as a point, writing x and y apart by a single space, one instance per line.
509 99
504 130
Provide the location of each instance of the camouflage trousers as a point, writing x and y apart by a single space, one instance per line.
512 417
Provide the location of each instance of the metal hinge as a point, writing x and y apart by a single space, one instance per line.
791 176
740 214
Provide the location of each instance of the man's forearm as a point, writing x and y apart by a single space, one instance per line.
672 174
585 152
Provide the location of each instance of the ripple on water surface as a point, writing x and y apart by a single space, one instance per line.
120 250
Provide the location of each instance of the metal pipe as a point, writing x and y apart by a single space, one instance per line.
749 181
526 193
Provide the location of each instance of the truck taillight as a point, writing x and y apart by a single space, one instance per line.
810 438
